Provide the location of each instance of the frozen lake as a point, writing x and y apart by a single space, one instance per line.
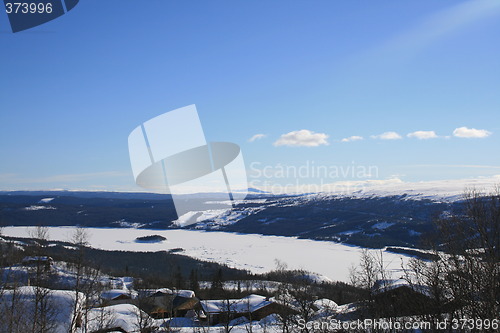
256 253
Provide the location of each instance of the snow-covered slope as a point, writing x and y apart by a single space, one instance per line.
439 190
59 305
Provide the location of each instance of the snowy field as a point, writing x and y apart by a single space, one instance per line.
256 253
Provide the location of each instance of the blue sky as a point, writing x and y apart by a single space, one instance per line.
304 74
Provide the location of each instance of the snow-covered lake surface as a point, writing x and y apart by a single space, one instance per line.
256 253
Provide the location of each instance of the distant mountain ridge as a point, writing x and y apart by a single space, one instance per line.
370 221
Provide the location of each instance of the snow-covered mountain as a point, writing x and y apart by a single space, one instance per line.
374 215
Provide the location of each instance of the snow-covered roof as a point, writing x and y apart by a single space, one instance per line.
250 303
325 303
127 279
184 293
62 300
382 286
164 291
115 293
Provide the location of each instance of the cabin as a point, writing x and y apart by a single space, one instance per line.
183 306
397 297
252 307
116 296
166 303
38 261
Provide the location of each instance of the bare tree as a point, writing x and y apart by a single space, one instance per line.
471 242
40 233
42 312
144 323
87 285
428 277
12 311
249 326
462 280
228 311
370 270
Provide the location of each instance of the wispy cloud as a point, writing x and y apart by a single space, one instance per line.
352 138
387 136
470 133
302 138
423 135
442 24
257 137
465 166
63 178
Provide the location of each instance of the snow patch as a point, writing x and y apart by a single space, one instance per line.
196 217
35 207
382 225
125 224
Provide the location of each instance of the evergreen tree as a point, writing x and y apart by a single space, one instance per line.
178 280
217 285
194 284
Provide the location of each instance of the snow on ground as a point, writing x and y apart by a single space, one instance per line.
34 207
125 316
447 190
62 300
256 253
249 303
382 225
194 217
124 224
238 202
238 325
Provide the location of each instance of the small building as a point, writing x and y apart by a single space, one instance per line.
182 305
167 303
253 307
38 261
116 296
162 298
397 297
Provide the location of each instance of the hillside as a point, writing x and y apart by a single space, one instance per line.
371 221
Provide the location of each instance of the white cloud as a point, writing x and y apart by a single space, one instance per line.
257 137
302 138
352 138
387 136
423 135
464 132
